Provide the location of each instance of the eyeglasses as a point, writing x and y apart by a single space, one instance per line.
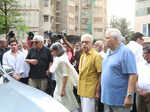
36 42
86 42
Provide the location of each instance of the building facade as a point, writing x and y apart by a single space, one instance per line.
65 16
76 17
93 14
38 15
142 19
81 16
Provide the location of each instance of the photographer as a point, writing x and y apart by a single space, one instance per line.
29 39
68 48
11 36
49 42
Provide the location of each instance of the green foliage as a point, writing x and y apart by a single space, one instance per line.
10 17
123 26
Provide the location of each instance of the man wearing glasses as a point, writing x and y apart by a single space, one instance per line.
89 75
40 59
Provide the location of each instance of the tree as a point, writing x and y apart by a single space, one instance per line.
9 15
123 26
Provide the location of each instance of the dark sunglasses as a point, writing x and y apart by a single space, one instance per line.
36 42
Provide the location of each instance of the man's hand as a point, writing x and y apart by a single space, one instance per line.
32 61
97 96
64 38
144 93
128 102
17 77
62 93
47 73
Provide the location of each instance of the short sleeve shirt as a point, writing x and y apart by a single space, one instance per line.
44 58
89 67
116 68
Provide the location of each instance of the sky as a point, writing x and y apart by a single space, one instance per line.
122 8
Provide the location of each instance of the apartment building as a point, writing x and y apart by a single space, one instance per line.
93 17
142 18
38 15
65 16
76 17
81 16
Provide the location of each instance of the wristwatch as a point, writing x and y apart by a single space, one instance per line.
129 95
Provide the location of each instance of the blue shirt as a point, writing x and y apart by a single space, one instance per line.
116 68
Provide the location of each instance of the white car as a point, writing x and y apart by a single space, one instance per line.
18 97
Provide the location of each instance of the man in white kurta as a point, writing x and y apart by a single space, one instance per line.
15 59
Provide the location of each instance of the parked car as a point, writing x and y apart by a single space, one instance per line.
18 97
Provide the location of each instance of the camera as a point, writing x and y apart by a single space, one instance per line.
56 37
11 34
30 35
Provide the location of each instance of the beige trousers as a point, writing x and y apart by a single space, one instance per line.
39 84
142 104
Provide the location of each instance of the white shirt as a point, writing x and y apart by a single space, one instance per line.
14 61
144 76
63 60
143 68
137 50
102 54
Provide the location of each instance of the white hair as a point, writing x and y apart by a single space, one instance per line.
87 36
100 43
3 37
38 38
114 33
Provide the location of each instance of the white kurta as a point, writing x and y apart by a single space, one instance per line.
62 67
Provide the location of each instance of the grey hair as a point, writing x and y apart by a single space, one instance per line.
38 38
99 42
58 48
114 33
87 36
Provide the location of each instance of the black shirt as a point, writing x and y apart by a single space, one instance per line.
44 58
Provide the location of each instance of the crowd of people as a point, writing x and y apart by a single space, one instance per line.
87 76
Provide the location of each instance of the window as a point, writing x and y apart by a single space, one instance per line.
143 11
71 3
46 3
46 18
148 10
146 30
